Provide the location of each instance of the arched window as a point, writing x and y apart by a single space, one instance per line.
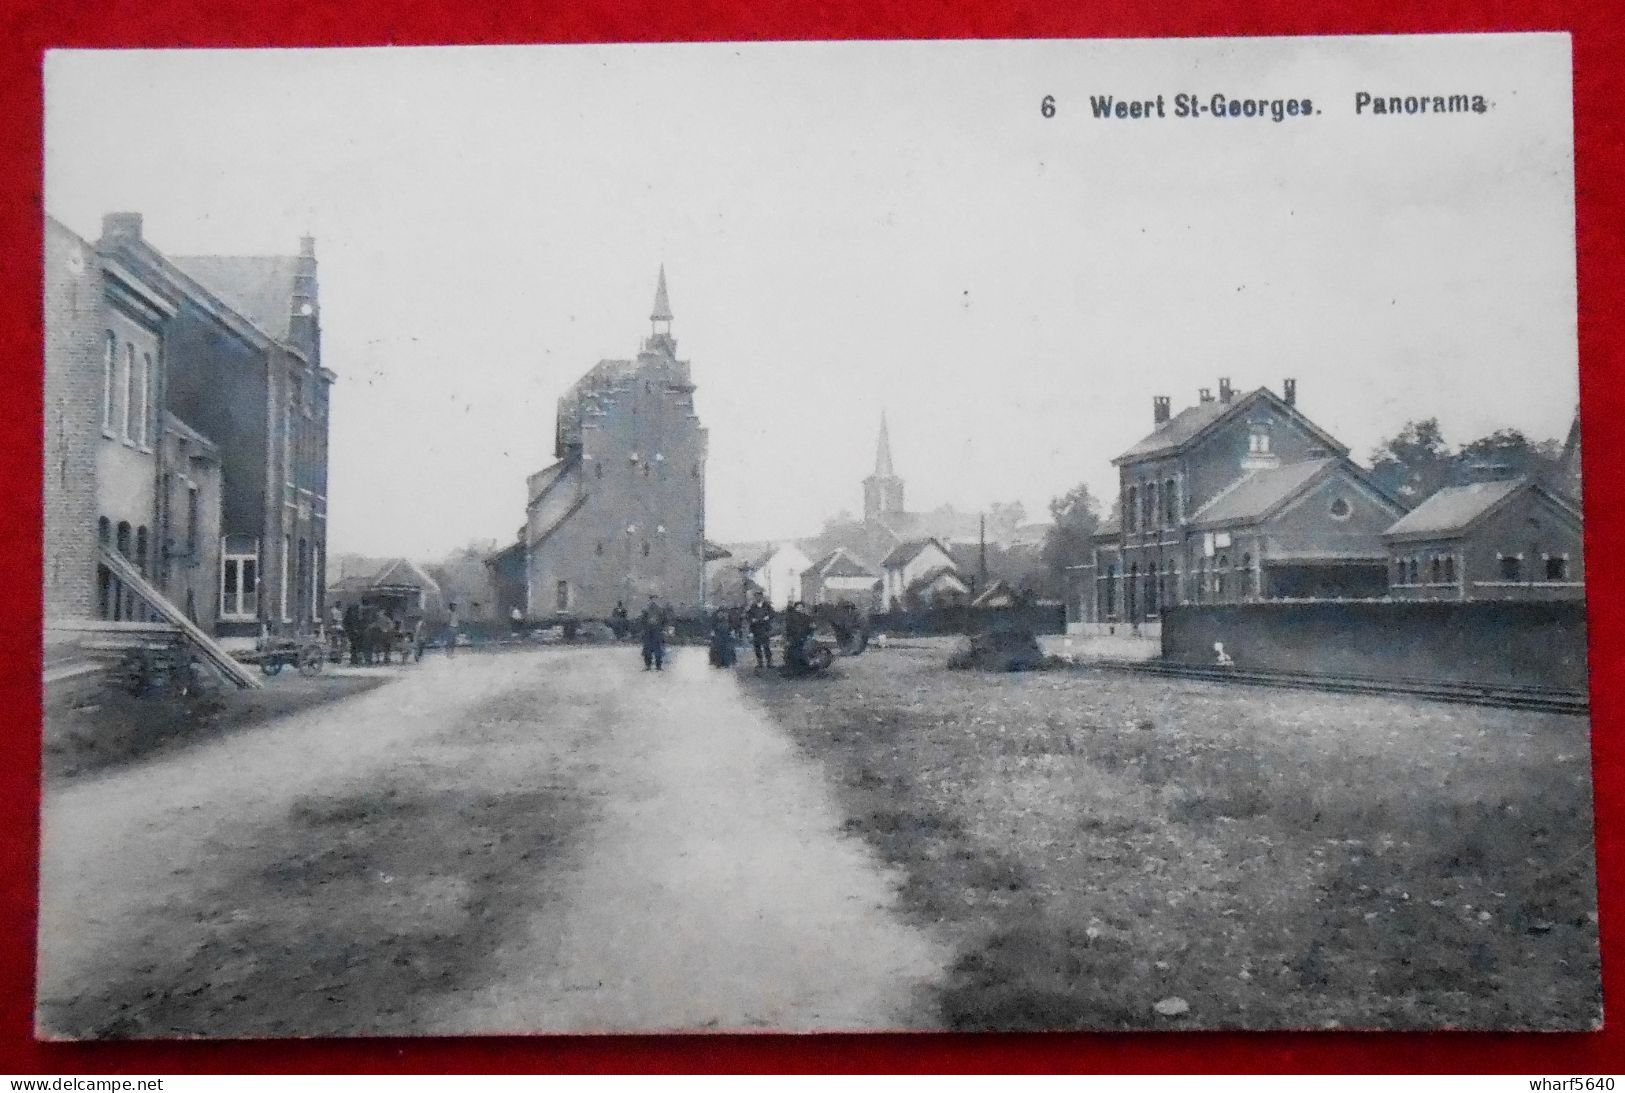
1170 503
1131 509
141 549
123 540
1151 511
129 391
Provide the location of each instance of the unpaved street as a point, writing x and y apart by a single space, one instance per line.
538 840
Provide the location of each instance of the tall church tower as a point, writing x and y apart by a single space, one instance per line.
883 490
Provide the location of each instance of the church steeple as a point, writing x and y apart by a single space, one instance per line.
662 311
883 451
883 490
660 339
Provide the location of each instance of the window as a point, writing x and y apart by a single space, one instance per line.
1449 568
194 517
109 367
143 408
1340 509
1436 569
1411 571
104 576
1153 592
239 578
1258 441
1170 503
562 595
1220 564
141 549
1557 567
1131 594
1110 608
287 549
129 391
1511 567
1151 510
1131 509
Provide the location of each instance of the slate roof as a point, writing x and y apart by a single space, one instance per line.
838 563
1193 421
1454 508
903 553
260 289
1257 493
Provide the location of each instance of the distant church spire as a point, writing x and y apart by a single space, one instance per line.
883 490
662 311
883 451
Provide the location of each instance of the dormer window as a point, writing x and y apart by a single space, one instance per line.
1258 441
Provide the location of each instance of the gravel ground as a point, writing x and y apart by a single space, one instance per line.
545 840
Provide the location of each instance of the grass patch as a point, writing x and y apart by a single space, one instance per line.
1096 842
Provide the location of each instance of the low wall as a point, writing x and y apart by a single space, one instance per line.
970 620
1537 644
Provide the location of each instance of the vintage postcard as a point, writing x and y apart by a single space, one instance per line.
968 535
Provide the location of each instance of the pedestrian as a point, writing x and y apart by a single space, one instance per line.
722 640
652 621
352 631
618 621
451 630
759 618
798 628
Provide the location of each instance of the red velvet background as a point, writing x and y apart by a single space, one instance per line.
1599 98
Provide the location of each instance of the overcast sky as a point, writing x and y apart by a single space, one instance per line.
849 227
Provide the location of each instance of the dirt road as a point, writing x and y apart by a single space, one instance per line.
539 840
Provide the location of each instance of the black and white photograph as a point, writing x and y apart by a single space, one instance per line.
813 537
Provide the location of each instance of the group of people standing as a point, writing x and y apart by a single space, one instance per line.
729 627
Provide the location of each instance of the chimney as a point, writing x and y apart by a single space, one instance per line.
307 246
121 226
1289 391
1224 389
1159 410
1204 394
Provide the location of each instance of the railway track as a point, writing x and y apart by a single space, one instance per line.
1514 697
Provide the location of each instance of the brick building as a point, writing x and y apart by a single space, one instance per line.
1515 539
621 514
1239 497
211 409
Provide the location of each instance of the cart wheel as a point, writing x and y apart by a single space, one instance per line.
311 660
270 667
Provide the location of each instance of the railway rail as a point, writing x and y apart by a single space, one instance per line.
1508 696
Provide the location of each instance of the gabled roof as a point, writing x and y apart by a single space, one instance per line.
994 590
1191 423
935 574
403 572
259 288
1258 493
838 563
906 552
1454 509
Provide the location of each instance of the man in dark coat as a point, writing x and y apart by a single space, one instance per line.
353 625
759 617
798 628
652 627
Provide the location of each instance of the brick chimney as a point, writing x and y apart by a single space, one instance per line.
1289 391
1225 391
1204 394
1160 411
121 226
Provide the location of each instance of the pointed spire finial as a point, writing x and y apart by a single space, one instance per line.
662 311
883 468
